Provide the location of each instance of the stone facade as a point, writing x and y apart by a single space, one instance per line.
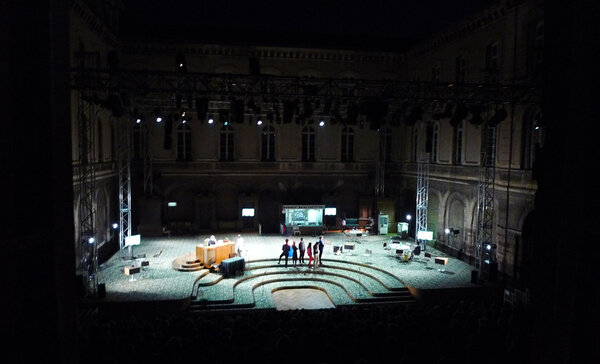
214 170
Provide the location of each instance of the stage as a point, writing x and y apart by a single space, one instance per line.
367 274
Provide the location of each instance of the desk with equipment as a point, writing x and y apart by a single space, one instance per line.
209 254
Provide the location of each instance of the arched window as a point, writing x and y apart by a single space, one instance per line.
139 142
347 145
308 144
458 142
184 142
268 144
226 143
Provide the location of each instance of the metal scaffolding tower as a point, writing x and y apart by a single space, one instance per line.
124 158
87 246
485 197
422 185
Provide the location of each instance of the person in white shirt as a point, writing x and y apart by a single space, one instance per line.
240 245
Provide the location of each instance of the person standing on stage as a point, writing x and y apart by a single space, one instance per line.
285 251
301 249
240 245
321 248
309 252
316 253
294 253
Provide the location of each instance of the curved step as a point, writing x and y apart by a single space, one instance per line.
239 293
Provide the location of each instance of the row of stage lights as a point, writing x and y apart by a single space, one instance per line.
210 120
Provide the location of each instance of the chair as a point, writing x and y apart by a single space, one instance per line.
399 253
416 251
296 229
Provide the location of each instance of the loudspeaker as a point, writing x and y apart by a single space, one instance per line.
101 290
132 270
427 255
145 263
474 276
336 248
442 261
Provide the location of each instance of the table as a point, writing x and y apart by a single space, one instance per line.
401 246
214 253
232 266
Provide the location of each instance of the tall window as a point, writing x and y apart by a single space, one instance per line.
100 147
458 142
226 145
434 143
308 144
460 69
536 57
386 145
268 144
139 142
435 73
535 136
492 62
415 144
184 142
347 145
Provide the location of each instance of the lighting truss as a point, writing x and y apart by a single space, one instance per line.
485 196
87 245
124 167
422 185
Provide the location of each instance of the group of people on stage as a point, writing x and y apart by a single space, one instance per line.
296 252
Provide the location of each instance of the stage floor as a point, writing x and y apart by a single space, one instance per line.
159 281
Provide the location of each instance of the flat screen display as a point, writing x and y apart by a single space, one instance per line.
425 235
330 211
247 212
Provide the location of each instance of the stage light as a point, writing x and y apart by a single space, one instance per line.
447 231
408 217
138 120
226 123
158 119
91 240
322 123
259 122
115 225
183 121
211 120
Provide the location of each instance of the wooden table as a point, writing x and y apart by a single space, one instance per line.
214 253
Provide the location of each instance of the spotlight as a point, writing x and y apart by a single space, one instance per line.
322 123
447 231
115 225
158 119
408 217
91 240
138 120
488 246
211 120
226 123
259 121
